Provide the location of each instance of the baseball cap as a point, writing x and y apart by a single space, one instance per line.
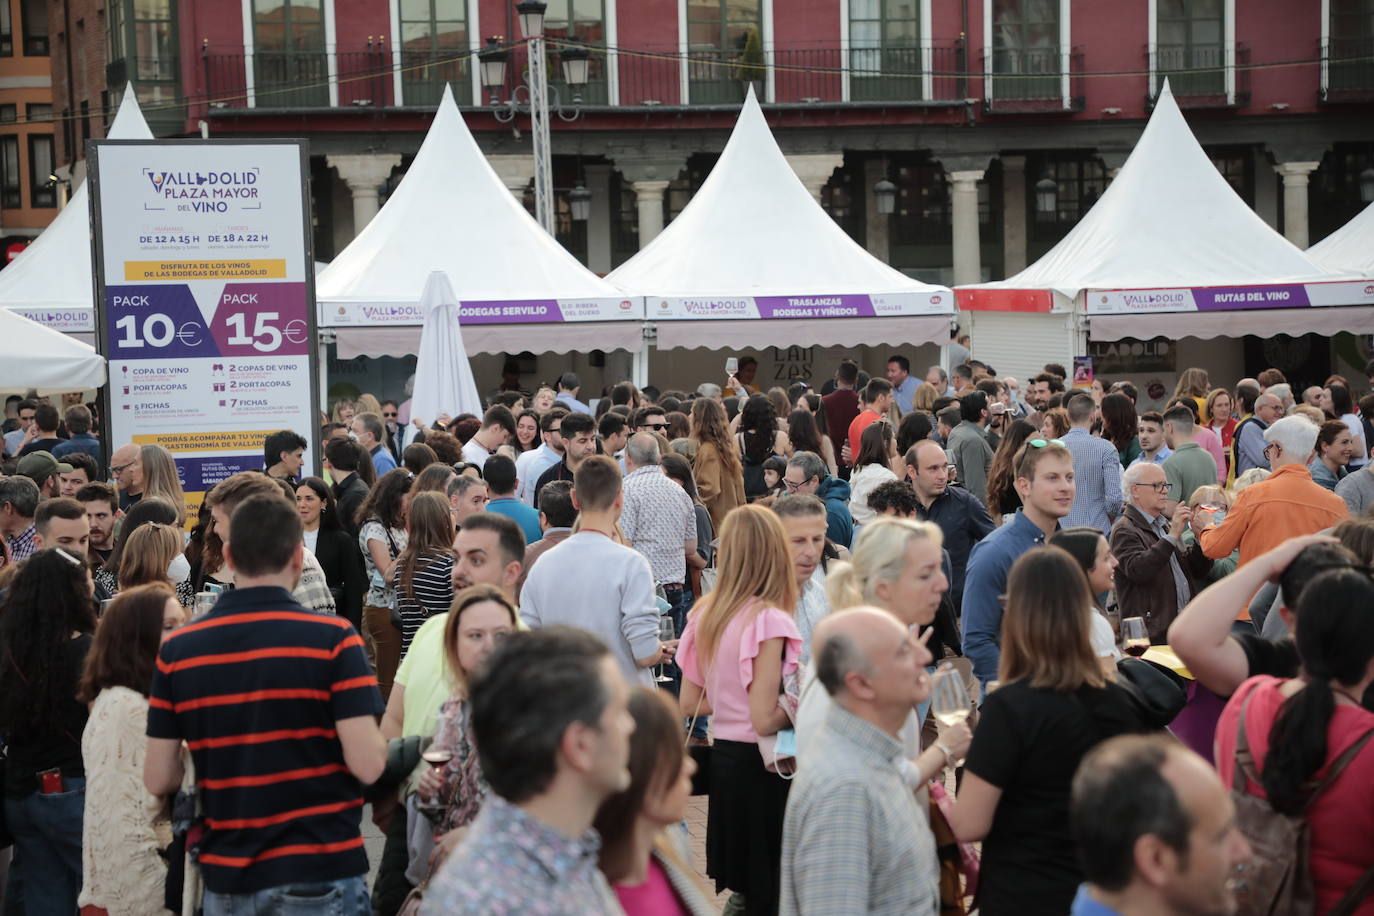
39 466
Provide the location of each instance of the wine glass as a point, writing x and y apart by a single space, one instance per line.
436 757
949 701
1135 639
666 633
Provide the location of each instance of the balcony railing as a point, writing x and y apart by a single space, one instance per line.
1034 79
1348 69
819 76
1200 76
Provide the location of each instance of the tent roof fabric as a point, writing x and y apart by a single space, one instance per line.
452 213
578 337
48 360
55 271
754 230
1169 219
826 332
1350 247
1206 325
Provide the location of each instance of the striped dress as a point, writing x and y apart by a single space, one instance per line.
430 593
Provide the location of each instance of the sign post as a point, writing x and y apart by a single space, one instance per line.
205 292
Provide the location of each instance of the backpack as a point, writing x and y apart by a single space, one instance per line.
1277 881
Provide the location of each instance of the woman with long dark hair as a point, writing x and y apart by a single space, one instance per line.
1120 426
872 469
806 436
1002 496
337 552
125 829
1308 729
1054 705
1093 554
382 537
527 431
423 573
644 853
759 439
46 622
720 477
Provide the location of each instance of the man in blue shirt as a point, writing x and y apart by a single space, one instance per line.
903 385
370 432
1044 480
499 473
78 419
1156 831
1150 428
1096 469
568 387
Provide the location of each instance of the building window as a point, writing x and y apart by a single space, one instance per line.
434 51
41 192
36 112
885 49
1190 48
11 197
1025 49
35 20
1350 45
582 21
6 30
725 46
9 114
1078 185
1236 166
143 50
291 68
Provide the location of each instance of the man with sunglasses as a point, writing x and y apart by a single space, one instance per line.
651 419
395 432
1157 574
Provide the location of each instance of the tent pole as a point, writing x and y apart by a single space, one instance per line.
639 371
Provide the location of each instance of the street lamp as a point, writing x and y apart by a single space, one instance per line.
532 96
1046 199
580 203
1367 184
885 196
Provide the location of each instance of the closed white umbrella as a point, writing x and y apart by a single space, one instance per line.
33 356
443 376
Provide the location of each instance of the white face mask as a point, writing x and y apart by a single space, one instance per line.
180 569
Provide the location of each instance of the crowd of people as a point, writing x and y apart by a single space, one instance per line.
924 645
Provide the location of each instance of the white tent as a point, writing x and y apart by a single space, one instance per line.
754 244
1170 235
1350 247
44 359
519 289
51 281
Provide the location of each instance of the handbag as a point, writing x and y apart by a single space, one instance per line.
1156 694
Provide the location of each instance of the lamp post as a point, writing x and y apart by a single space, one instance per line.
534 96
1046 199
885 196
1367 184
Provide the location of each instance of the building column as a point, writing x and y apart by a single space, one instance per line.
364 174
1013 214
968 266
815 169
599 222
877 226
515 171
649 202
1295 199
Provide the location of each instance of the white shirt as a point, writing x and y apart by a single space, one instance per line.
1102 638
311 539
529 467
475 453
615 603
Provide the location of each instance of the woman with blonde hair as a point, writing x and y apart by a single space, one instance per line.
1194 384
344 411
1055 703
739 647
543 400
717 466
368 403
925 397
644 853
160 478
898 566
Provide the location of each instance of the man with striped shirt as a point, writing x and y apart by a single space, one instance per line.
278 708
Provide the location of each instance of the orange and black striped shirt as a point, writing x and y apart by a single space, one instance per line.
255 689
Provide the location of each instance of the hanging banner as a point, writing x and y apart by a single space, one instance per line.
1230 298
473 312
850 305
206 286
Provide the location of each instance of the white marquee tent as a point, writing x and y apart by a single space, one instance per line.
51 281
49 361
519 289
1170 235
753 261
1350 247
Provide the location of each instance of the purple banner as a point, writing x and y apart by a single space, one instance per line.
155 322
850 306
527 311
1233 298
262 319
198 475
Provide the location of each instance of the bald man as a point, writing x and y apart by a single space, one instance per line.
961 516
1156 831
1249 435
854 830
126 467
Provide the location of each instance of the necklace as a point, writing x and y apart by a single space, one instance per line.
594 531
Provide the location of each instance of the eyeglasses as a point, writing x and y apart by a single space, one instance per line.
389 415
1161 487
1041 443
117 469
794 487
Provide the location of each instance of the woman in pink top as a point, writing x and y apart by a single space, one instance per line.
1301 730
643 846
739 643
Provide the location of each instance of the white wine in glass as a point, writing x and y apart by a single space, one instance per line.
1135 640
949 701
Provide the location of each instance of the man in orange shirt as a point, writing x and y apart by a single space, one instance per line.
877 401
1285 505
